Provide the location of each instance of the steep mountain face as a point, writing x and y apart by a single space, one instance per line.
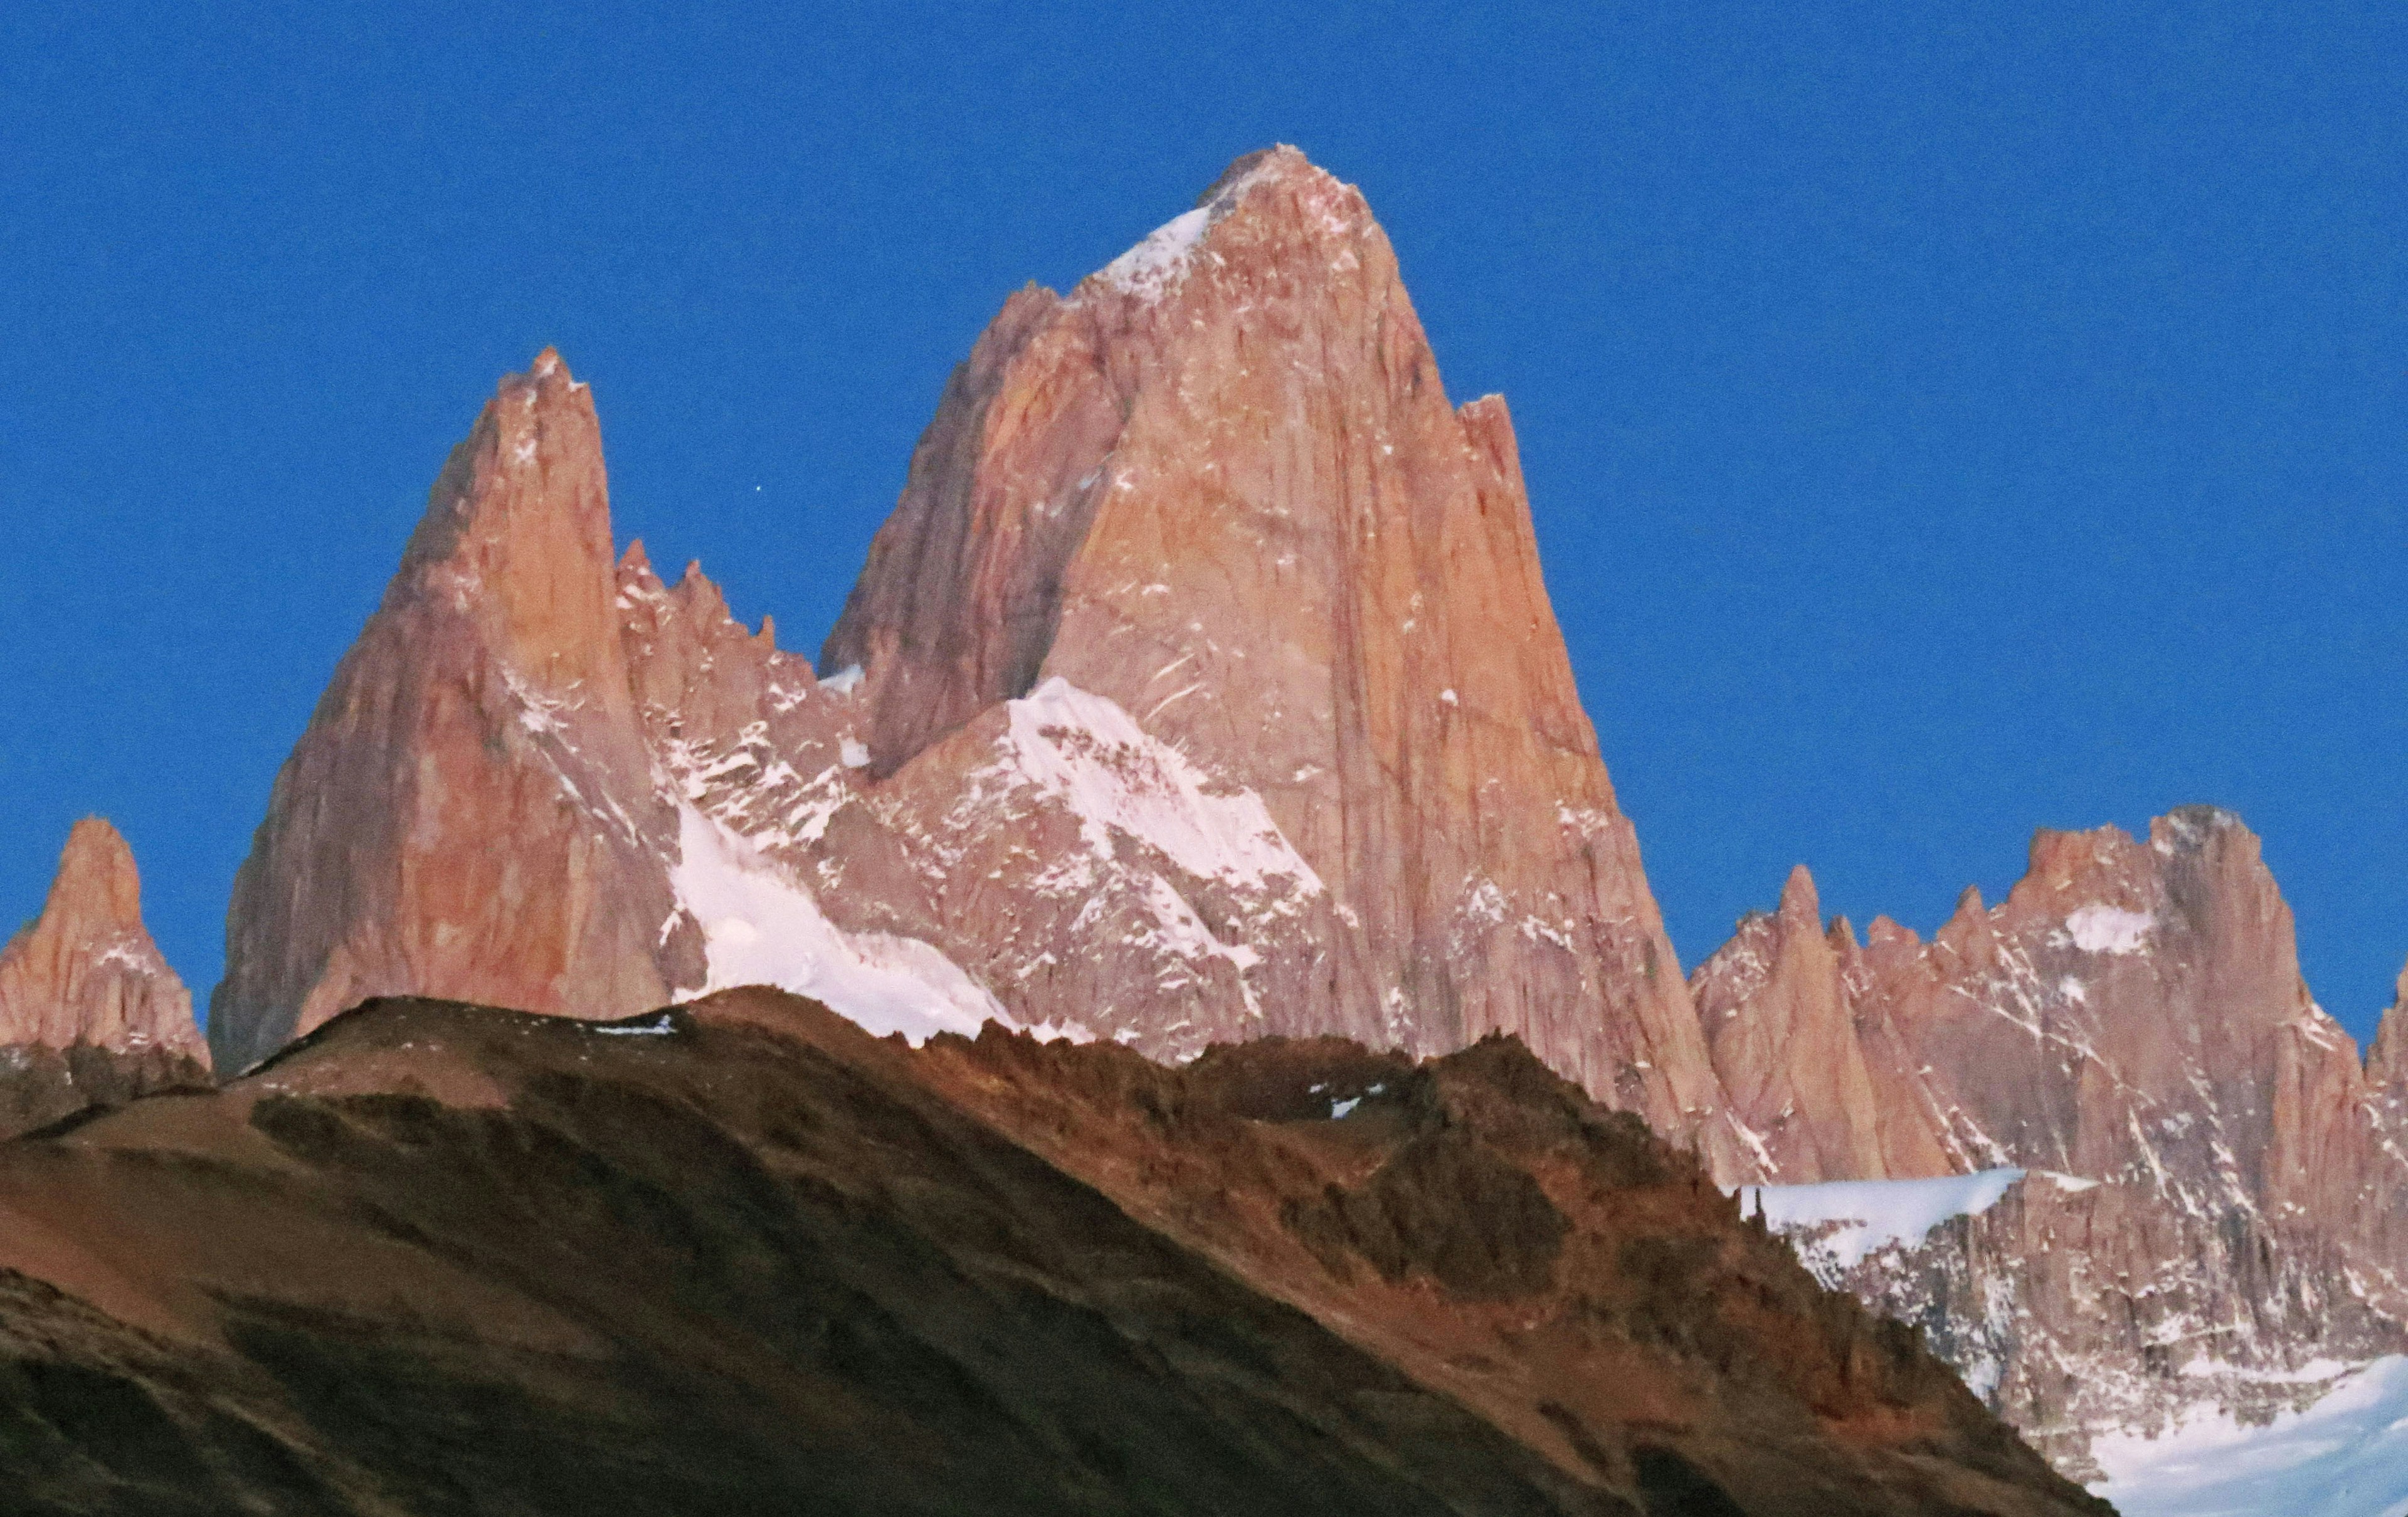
744 1257
1203 686
1807 1059
1220 489
90 1013
488 697
2230 1213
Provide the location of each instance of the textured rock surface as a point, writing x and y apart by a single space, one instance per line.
1806 1057
2131 1017
1221 487
2386 1057
90 1013
1203 685
488 698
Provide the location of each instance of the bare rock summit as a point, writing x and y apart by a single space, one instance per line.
90 1013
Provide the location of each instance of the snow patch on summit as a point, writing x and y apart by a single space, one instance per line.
1158 264
2109 929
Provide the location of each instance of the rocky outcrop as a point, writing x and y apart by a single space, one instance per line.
2077 1307
1202 686
1806 1057
471 811
2231 1210
2386 1057
90 1013
1219 489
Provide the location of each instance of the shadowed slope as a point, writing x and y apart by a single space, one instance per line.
742 1257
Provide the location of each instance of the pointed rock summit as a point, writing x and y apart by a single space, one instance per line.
1220 489
1781 1005
2386 1057
90 1013
1203 685
471 812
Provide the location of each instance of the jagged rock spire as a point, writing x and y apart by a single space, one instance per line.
1778 1003
2386 1057
471 812
85 971
1221 486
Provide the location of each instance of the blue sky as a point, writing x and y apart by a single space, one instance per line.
1937 425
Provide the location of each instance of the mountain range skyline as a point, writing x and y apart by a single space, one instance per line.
1203 688
1957 508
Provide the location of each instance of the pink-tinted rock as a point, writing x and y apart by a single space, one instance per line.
1797 1042
471 812
90 1011
2130 1018
1221 486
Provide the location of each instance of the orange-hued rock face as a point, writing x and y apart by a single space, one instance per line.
1807 1062
1221 487
86 971
1202 686
471 812
90 1013
2131 1017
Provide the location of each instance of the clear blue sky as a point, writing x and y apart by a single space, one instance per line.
1940 421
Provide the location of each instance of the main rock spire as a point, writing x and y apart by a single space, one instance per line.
1221 486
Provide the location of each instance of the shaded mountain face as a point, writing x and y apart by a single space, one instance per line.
2132 1020
1203 686
743 1257
90 1013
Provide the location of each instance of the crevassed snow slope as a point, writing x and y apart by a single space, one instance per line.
1875 1212
760 928
2345 1457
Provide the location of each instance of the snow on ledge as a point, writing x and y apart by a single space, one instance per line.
2109 929
762 927
2344 1456
1085 750
1865 1214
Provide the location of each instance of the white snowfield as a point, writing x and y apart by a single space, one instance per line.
2344 1456
1086 752
2109 929
762 927
1865 1214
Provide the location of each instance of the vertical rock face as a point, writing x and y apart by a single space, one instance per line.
2386 1057
1203 685
2130 1018
1798 1044
90 1013
471 812
1220 487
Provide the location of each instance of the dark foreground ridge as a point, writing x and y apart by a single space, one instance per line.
741 1257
